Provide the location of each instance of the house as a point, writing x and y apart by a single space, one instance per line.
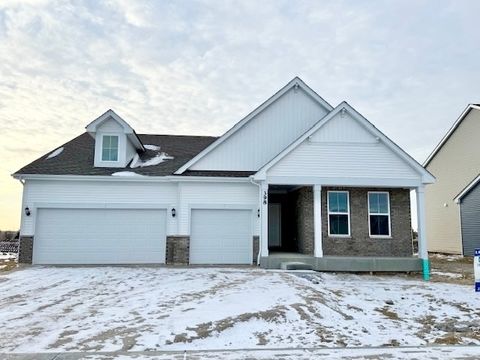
453 202
296 180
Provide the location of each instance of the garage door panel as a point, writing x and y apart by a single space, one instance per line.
99 236
221 236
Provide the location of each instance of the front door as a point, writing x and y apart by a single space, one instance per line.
274 225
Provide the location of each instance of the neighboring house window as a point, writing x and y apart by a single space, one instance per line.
379 213
338 213
110 148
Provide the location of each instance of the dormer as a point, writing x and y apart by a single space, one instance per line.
116 142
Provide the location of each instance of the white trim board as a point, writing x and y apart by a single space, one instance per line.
344 106
293 83
467 189
449 133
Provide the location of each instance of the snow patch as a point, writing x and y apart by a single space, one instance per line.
447 274
55 153
126 173
8 256
152 147
157 159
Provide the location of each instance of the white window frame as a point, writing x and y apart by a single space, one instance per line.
338 213
383 214
118 148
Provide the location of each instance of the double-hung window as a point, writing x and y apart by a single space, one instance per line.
379 213
110 148
338 213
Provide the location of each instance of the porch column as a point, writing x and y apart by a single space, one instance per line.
422 238
317 220
264 219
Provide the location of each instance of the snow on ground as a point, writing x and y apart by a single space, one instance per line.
55 153
157 308
446 274
7 256
447 257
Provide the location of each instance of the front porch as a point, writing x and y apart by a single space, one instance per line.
297 224
344 263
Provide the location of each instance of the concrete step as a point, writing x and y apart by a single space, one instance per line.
294 265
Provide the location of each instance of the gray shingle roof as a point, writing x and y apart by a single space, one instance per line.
77 156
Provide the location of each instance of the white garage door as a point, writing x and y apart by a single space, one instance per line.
221 237
99 236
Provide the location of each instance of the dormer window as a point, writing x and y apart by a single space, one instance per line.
116 143
110 148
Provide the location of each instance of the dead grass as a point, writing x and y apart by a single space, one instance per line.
205 330
392 315
450 339
7 265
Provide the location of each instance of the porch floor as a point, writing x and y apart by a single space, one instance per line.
345 263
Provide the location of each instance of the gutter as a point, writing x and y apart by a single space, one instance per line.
138 178
252 180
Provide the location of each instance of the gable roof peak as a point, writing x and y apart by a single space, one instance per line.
127 129
449 133
295 82
427 177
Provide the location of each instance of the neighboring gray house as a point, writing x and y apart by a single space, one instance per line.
295 180
455 162
469 201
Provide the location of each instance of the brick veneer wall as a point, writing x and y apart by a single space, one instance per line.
360 243
256 249
304 214
178 250
25 250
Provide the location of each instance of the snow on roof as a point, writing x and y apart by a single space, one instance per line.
157 159
55 153
126 173
152 147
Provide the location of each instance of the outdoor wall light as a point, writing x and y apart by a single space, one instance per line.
174 212
27 211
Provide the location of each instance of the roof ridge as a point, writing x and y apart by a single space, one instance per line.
200 136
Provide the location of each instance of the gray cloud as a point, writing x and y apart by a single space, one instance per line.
200 66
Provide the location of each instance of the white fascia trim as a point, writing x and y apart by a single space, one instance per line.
132 179
427 178
128 130
474 182
455 125
344 181
250 116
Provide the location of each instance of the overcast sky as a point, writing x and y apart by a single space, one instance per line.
197 67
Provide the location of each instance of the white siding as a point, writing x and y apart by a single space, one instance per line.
343 129
182 196
89 192
131 151
110 125
343 148
266 135
215 195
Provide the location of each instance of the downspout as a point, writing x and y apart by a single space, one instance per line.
259 203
